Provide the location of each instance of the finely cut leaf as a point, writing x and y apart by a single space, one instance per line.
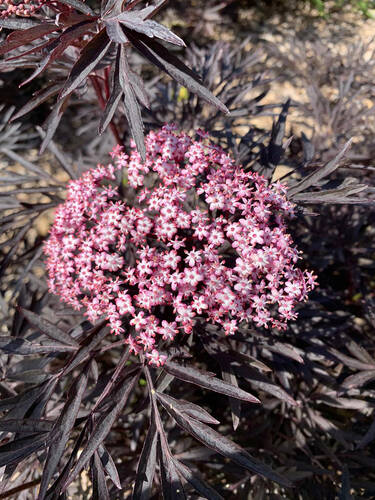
25 399
109 466
170 480
95 336
80 6
203 379
132 109
224 446
188 408
19 38
146 466
139 88
99 484
114 98
235 404
61 431
358 379
52 123
159 55
19 23
314 177
25 425
48 328
55 489
90 56
38 98
58 46
23 347
135 22
195 479
21 448
285 350
262 383
102 428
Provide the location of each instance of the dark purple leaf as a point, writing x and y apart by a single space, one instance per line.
34 49
90 56
114 98
224 446
109 466
94 371
102 428
272 154
159 55
285 350
26 425
146 466
132 109
262 383
313 178
61 431
99 484
235 404
18 23
78 5
136 22
114 31
359 352
188 408
28 374
95 336
139 88
170 480
206 380
52 122
197 481
20 449
18 38
351 362
39 97
25 399
122 372
340 195
17 240
58 46
48 328
23 347
56 487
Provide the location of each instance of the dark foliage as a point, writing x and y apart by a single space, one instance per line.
89 45
257 415
340 92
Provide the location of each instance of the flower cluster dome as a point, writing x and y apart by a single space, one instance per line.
186 236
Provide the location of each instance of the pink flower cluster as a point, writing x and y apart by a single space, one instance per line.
23 8
186 236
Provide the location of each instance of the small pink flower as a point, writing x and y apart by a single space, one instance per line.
155 358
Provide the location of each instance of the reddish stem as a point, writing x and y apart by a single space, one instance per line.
102 104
